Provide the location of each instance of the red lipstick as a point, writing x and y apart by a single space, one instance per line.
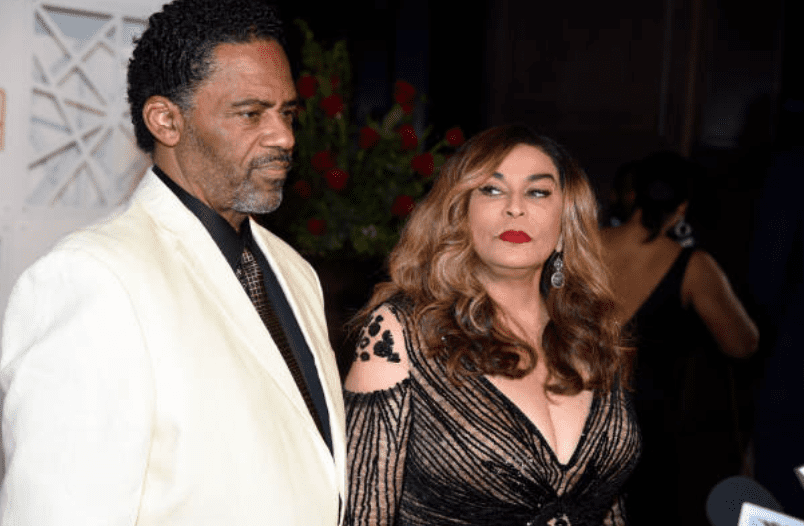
515 236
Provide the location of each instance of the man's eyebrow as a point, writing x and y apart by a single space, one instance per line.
532 177
265 103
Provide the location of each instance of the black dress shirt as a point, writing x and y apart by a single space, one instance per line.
231 244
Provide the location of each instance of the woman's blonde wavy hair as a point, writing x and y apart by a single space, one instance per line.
434 270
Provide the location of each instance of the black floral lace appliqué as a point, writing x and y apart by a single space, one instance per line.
361 354
374 325
383 348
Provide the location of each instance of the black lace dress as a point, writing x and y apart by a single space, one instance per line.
427 452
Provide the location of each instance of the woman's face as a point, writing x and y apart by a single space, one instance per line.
515 214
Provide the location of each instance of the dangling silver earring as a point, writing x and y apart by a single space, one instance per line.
557 277
682 229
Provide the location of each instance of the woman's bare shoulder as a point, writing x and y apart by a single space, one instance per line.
702 268
381 358
707 288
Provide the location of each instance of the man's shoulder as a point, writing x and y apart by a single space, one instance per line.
129 233
124 227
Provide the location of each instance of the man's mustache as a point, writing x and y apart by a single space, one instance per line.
278 159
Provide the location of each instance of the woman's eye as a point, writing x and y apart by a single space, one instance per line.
489 190
540 192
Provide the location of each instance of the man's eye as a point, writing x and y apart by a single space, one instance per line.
250 115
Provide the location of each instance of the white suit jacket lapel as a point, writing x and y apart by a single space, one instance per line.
307 306
205 260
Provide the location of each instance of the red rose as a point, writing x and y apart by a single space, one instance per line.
323 161
409 139
403 92
336 179
332 105
403 205
335 81
368 137
316 226
407 108
306 86
303 188
455 136
424 164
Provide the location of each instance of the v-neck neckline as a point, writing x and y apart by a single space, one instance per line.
516 410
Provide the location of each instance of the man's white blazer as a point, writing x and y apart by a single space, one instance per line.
141 387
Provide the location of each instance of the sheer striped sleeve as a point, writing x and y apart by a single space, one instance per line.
378 418
616 515
377 429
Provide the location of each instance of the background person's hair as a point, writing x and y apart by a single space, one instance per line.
175 52
661 184
434 268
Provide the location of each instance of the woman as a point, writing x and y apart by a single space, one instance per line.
676 299
487 386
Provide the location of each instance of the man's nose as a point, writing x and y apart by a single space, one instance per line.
278 132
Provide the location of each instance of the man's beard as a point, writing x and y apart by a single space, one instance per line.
248 198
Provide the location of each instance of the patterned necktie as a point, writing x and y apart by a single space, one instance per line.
251 277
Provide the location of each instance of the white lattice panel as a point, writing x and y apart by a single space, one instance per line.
83 152
67 149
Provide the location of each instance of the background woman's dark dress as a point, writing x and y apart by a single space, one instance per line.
682 400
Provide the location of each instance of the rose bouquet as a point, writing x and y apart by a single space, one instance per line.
353 185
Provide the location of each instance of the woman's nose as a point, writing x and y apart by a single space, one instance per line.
514 208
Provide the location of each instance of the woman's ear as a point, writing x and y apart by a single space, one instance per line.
164 120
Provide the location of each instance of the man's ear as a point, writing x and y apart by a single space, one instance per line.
164 119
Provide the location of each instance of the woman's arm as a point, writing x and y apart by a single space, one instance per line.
708 290
378 418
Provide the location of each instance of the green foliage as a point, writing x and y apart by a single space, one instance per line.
361 213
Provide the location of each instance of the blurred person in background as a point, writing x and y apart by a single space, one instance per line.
674 300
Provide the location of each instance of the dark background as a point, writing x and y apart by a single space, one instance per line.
613 81
715 80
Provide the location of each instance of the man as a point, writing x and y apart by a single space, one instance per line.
141 384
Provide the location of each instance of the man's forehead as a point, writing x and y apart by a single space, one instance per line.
252 58
273 52
268 50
